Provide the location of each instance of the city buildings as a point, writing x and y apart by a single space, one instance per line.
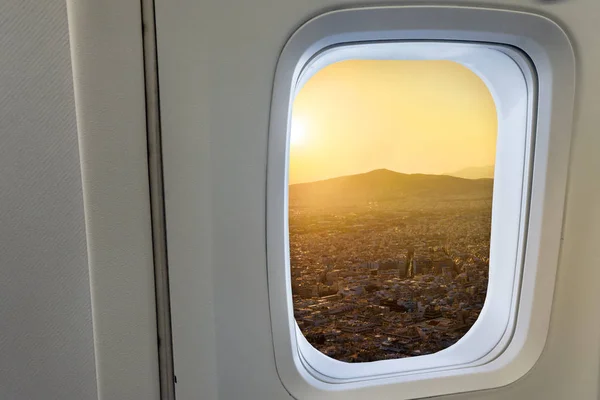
389 282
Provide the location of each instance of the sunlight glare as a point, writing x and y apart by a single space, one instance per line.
298 132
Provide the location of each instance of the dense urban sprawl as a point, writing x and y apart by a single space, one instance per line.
389 279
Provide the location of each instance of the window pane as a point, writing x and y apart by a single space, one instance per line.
391 178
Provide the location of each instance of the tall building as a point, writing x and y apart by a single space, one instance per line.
408 266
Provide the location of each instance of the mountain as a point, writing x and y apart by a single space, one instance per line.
387 186
474 172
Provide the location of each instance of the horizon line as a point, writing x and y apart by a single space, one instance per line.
448 174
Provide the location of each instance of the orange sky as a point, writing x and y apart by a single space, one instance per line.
355 116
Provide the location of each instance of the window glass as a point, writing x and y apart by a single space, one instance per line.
390 199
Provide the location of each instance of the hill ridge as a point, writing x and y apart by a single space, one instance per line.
383 185
384 171
481 172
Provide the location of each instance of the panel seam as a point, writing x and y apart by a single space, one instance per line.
157 204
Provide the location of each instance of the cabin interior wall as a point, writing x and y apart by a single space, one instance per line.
217 61
46 338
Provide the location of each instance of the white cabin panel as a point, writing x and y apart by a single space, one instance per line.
217 62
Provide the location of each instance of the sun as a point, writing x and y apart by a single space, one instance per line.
298 132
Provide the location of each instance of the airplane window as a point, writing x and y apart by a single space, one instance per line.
412 234
391 176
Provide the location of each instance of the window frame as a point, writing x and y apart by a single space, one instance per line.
512 85
551 57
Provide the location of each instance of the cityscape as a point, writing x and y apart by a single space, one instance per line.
387 265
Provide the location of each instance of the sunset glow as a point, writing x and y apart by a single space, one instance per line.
431 117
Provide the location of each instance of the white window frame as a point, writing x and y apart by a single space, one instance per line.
513 93
528 194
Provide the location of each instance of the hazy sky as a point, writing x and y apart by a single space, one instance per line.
355 116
